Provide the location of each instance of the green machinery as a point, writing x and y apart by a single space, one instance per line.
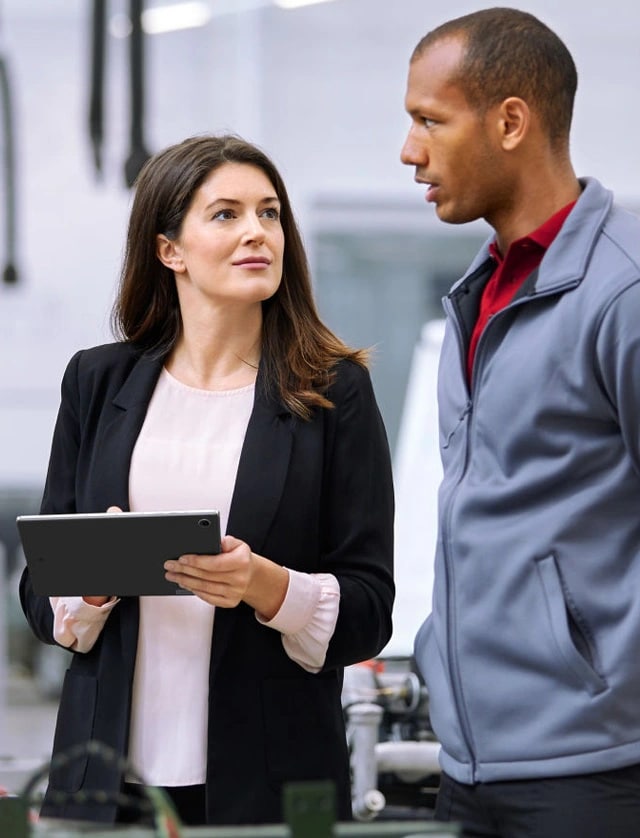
309 813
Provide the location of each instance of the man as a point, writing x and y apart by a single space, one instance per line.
531 654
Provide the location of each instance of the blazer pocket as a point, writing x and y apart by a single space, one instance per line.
74 727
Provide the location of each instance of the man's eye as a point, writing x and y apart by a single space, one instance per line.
428 123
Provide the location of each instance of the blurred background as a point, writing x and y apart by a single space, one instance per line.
320 86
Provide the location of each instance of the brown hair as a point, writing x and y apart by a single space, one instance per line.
298 351
509 52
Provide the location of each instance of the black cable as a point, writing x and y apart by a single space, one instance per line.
96 96
138 154
10 271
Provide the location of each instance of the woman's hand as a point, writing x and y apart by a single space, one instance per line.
235 575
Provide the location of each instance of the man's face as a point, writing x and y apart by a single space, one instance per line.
453 147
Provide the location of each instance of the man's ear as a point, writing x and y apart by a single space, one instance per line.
514 123
168 252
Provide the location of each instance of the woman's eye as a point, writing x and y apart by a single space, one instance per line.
272 212
223 215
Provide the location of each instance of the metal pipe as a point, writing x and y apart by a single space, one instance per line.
410 760
363 724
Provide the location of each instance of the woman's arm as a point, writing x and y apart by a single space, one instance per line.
358 520
59 493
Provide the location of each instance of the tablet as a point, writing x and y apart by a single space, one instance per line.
113 553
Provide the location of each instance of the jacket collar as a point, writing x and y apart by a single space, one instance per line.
565 262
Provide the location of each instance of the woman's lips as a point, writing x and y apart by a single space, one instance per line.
253 262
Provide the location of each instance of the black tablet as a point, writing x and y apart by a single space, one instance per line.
112 553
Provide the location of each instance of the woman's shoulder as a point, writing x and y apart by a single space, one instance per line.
106 365
349 370
348 378
106 356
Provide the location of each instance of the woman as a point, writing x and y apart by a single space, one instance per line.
226 391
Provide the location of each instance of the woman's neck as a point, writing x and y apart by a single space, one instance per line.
216 360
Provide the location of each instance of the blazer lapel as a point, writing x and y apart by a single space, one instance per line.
262 472
264 459
119 437
116 444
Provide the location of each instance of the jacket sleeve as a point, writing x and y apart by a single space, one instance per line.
59 492
617 363
358 507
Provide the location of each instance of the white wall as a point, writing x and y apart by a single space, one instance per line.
321 88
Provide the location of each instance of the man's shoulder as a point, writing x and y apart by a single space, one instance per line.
622 229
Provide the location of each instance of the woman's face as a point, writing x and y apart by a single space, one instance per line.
231 244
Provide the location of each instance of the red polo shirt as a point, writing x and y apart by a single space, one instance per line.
523 256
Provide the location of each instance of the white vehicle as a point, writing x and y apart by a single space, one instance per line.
394 753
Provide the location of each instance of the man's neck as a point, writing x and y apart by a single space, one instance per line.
534 203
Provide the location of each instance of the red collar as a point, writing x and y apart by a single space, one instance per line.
542 237
523 256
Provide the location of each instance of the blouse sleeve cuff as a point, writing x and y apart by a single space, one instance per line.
304 594
307 617
76 624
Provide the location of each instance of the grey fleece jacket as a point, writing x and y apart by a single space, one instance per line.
531 654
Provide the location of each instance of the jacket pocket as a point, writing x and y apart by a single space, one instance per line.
569 628
431 658
74 727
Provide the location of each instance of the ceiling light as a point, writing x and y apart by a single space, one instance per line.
176 16
295 4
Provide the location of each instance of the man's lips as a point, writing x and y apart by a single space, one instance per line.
432 192
432 188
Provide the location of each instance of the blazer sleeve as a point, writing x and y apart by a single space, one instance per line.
358 505
59 492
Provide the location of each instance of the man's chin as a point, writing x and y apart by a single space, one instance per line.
449 215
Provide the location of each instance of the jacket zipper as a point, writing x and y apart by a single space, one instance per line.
456 681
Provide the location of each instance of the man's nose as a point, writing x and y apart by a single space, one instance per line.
413 153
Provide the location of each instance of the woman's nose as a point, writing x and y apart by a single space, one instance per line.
254 231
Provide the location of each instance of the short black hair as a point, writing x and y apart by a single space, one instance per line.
509 52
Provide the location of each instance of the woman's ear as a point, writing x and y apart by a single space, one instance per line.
515 122
168 252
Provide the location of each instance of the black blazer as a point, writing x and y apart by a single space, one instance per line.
315 496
